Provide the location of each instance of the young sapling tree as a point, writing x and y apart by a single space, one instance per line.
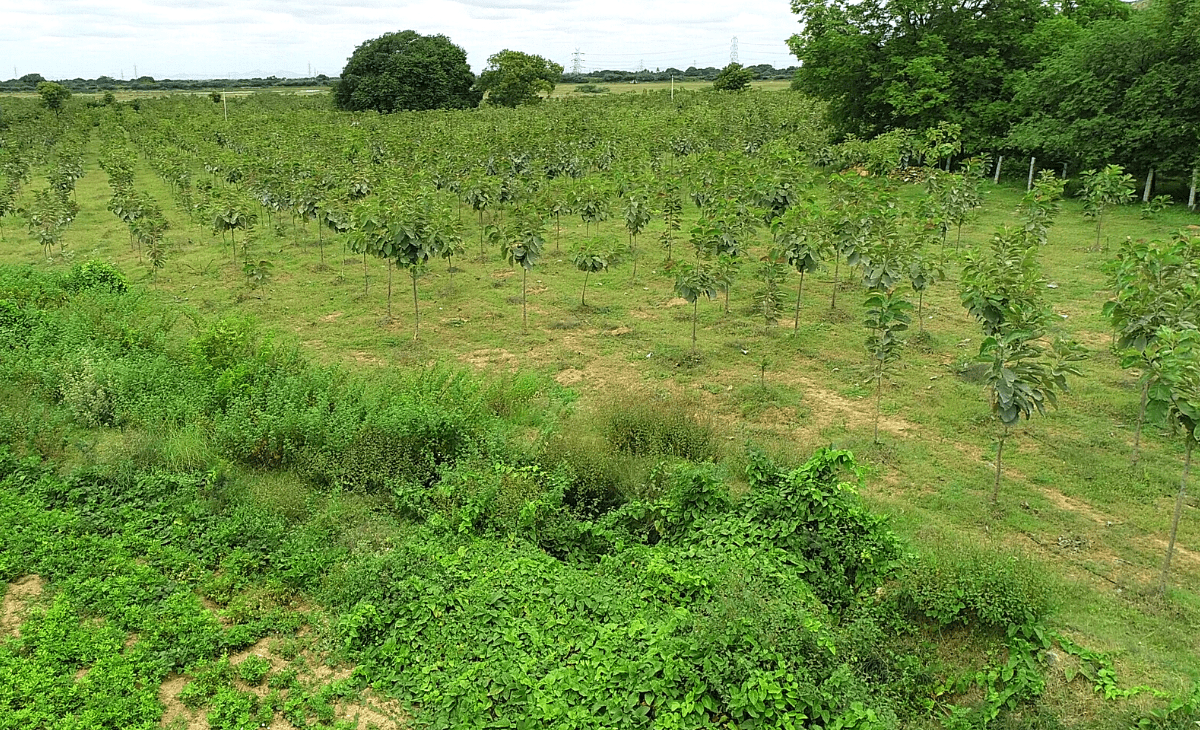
591 257
1176 401
693 281
1103 189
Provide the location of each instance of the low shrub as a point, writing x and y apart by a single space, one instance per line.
961 584
652 426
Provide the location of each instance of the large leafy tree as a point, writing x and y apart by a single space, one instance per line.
1121 91
883 64
513 78
54 96
406 70
733 78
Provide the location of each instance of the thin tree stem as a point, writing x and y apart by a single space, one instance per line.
695 312
1137 434
1187 467
799 292
999 461
837 265
416 309
878 398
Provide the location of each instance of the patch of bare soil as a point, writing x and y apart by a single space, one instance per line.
828 408
372 713
366 358
1150 541
368 711
16 602
332 316
490 358
177 712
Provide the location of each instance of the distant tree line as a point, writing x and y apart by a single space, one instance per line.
763 71
29 83
1081 83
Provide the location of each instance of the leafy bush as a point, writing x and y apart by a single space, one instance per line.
86 392
641 426
959 584
95 275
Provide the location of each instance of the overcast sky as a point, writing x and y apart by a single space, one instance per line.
221 38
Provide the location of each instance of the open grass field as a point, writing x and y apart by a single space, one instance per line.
1070 500
627 88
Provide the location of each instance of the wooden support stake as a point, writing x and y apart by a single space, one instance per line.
1029 185
999 162
1149 184
1192 193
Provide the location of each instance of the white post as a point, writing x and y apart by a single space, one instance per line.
999 162
1192 193
1029 184
1149 183
672 88
226 105
1064 175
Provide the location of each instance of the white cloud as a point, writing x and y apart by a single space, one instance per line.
216 38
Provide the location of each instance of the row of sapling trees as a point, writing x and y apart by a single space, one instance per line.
1002 287
139 212
1155 317
55 207
408 228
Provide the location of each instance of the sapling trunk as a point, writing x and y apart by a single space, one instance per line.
389 297
1099 219
727 288
583 298
799 292
695 312
958 239
1137 434
999 463
364 273
1187 467
920 305
878 397
524 317
416 308
837 265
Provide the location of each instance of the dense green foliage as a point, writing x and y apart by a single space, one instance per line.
733 78
1126 90
406 71
892 63
513 78
1081 83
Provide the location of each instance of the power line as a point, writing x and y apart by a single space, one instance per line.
577 62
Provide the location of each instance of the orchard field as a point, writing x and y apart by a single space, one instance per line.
591 478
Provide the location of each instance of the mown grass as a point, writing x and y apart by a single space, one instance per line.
1070 498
